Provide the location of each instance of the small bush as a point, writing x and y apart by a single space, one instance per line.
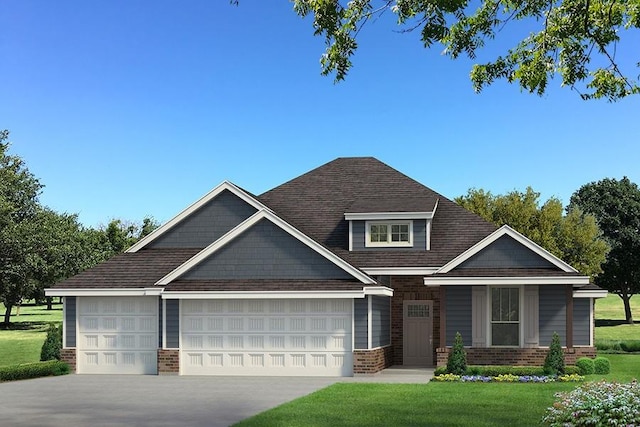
33 370
457 361
494 371
52 344
571 369
440 371
585 365
630 346
596 404
601 365
554 362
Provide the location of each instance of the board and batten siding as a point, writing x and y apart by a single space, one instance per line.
459 317
172 323
70 321
207 224
506 253
266 251
419 236
380 321
552 314
582 321
360 323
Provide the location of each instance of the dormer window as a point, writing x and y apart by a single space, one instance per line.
391 234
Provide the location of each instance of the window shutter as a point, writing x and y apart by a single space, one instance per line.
479 316
531 316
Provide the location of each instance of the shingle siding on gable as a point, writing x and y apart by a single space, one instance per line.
360 322
419 237
70 321
207 224
506 253
173 323
265 251
459 316
581 321
552 316
380 321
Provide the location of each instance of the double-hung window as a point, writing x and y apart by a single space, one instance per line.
389 233
505 316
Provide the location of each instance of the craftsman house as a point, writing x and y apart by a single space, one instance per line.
349 268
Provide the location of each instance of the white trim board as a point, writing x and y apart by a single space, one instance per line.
246 225
225 185
505 230
400 271
263 295
497 281
103 292
378 216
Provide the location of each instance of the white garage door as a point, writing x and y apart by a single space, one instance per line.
266 337
117 335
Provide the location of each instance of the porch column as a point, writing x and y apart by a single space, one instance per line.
569 320
443 316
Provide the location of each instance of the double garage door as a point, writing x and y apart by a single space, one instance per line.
297 337
266 337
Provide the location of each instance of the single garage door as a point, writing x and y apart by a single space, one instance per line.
296 337
117 335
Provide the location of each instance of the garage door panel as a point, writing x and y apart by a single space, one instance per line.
266 337
117 335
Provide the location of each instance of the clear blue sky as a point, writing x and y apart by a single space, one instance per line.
132 108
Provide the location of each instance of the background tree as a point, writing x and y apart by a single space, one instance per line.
616 206
574 237
576 39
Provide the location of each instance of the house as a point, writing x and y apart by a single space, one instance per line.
349 268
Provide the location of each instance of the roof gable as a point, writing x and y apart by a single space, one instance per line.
263 245
205 221
493 248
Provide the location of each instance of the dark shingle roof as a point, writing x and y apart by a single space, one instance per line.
140 269
316 203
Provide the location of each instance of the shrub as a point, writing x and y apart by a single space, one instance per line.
52 344
571 369
33 370
554 362
630 346
601 365
585 365
440 371
494 371
596 404
457 361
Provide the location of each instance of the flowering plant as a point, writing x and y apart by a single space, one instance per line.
447 377
508 378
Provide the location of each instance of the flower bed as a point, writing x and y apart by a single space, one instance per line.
508 378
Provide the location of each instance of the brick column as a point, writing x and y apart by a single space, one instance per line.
168 362
68 356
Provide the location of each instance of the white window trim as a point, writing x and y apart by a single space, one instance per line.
367 231
520 317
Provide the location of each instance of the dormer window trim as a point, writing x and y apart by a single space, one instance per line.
393 231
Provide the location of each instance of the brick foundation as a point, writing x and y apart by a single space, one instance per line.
411 288
168 362
68 356
514 356
372 361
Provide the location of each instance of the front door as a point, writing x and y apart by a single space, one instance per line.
418 333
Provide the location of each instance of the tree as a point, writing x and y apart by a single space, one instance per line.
575 39
120 234
574 237
616 206
19 191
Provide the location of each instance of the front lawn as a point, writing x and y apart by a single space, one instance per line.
432 404
610 320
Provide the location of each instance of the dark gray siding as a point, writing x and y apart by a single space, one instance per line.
506 253
70 321
552 317
419 236
207 224
380 321
173 323
458 309
360 322
581 321
266 252
160 322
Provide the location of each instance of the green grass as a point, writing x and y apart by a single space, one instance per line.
432 404
22 342
610 320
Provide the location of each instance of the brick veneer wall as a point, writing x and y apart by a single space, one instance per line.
514 356
411 288
68 356
168 362
372 361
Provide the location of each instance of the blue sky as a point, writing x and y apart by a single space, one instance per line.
132 108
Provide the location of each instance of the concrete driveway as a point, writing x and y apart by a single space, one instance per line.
146 400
